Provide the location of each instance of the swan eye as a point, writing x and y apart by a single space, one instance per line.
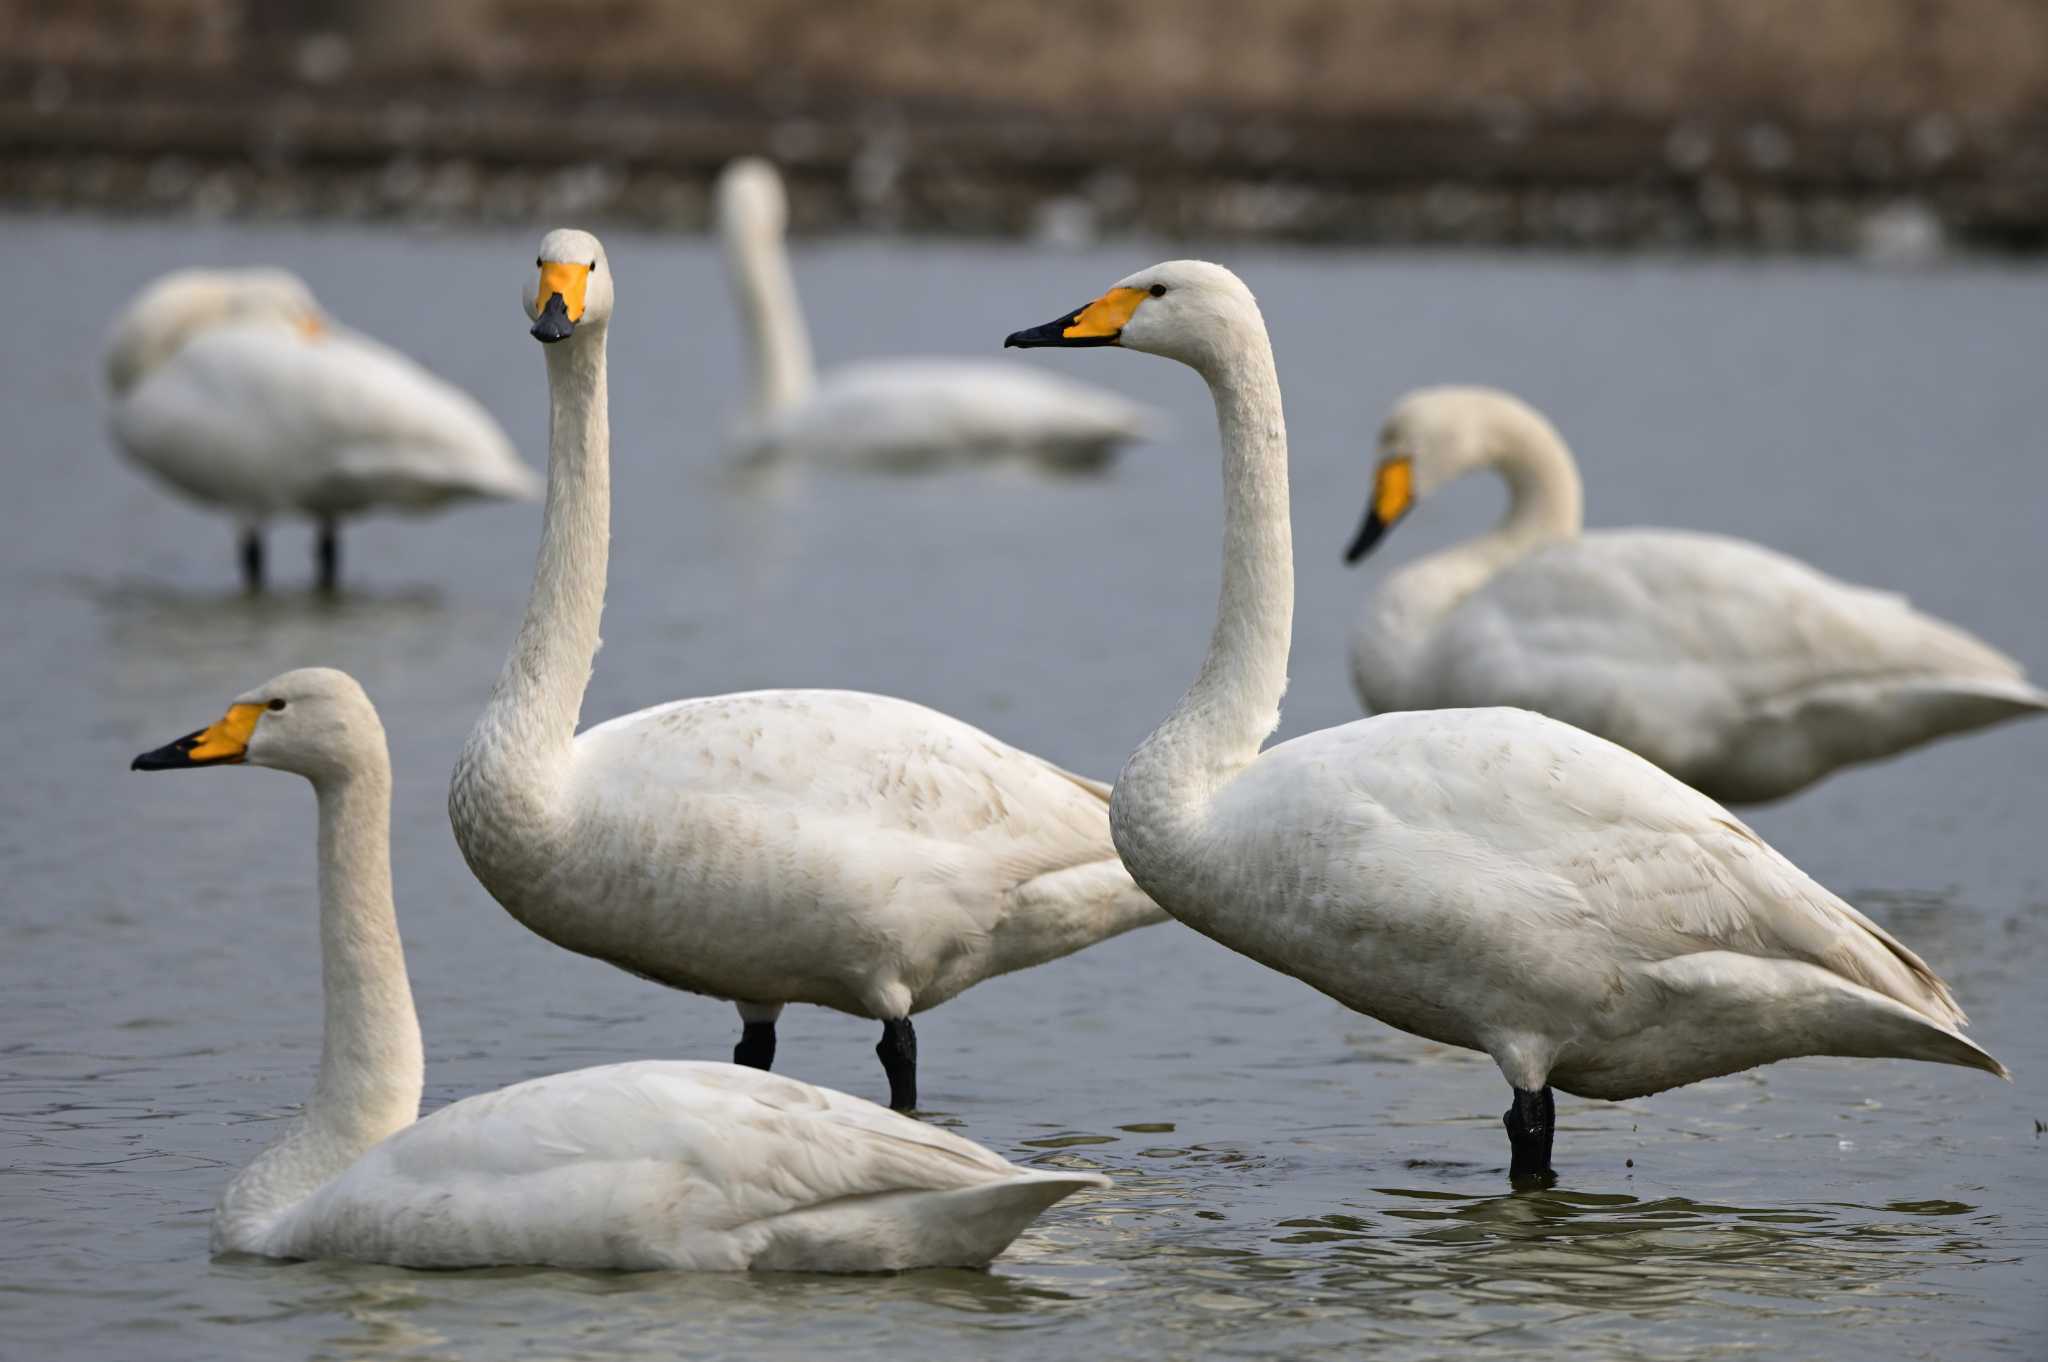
275 706
538 262
593 267
1159 290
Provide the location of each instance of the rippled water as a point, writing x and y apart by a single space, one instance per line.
1292 1179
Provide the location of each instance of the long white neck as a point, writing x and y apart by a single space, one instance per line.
1234 704
779 345
371 1067
502 799
1546 505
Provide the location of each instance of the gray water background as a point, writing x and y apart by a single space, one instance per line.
1291 1179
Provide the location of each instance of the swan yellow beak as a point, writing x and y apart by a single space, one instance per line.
1393 493
559 300
225 743
1099 323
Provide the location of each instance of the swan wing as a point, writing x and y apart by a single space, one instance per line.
1729 664
1469 874
648 1164
259 416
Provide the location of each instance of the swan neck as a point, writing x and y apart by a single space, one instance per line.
1546 502
529 724
778 344
1234 704
371 1069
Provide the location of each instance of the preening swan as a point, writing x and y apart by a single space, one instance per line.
1487 878
234 387
896 413
773 847
1743 672
634 1166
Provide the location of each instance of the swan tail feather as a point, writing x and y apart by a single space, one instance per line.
957 1227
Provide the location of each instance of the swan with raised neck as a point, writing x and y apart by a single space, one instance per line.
896 414
1487 878
654 1164
771 847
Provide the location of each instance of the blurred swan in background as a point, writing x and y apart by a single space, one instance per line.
655 1164
1487 878
783 846
234 387
1743 672
898 413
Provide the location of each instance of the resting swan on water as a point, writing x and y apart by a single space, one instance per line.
655 1164
1486 878
234 387
894 413
772 847
1745 673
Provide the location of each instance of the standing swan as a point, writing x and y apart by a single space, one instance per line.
656 1164
1744 673
1486 878
237 390
771 847
898 413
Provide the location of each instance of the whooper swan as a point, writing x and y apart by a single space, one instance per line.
894 414
237 390
1487 878
772 847
1743 672
655 1164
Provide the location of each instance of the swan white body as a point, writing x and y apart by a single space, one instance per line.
1487 878
853 851
236 390
1743 672
648 1165
898 414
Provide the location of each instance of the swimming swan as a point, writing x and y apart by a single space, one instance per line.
1744 673
1487 878
655 1164
772 847
897 413
234 387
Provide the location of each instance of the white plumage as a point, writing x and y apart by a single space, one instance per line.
853 851
1743 672
1488 878
654 1164
236 389
896 414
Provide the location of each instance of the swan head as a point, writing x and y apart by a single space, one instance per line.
572 286
173 309
1190 310
749 199
315 722
1433 437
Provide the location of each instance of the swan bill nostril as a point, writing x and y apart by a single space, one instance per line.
554 323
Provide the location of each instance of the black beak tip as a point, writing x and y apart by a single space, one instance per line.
1368 535
553 324
1015 340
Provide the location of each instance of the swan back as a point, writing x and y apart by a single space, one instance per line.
170 311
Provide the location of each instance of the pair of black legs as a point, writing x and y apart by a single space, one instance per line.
897 1050
326 557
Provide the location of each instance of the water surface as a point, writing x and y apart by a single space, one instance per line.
1292 1179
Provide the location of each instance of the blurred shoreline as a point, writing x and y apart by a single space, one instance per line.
1895 128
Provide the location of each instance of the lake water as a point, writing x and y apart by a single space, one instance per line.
1292 1179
